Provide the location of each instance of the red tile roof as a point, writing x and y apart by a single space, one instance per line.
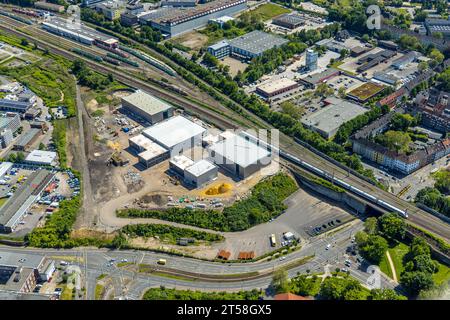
290 296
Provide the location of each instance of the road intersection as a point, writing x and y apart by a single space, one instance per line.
130 284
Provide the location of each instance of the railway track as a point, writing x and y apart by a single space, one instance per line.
127 79
417 216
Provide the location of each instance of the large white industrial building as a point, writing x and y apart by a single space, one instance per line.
200 173
41 157
176 134
153 155
239 156
179 163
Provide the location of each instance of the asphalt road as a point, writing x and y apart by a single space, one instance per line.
96 262
416 215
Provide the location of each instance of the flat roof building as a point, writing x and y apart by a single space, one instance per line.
365 91
312 80
179 3
289 21
220 49
153 155
49 6
200 173
4 168
15 106
15 207
176 134
140 143
27 139
147 107
239 156
327 120
175 21
80 33
254 44
41 157
9 121
179 163
275 88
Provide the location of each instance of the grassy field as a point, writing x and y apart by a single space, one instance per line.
99 289
270 10
66 293
442 275
397 253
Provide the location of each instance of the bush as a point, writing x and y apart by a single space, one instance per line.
174 294
265 202
168 233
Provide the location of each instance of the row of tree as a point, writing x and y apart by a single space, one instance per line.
264 203
335 287
419 267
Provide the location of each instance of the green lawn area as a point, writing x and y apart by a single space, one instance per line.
66 293
99 289
442 275
270 10
397 253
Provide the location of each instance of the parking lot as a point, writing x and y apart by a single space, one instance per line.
306 210
349 83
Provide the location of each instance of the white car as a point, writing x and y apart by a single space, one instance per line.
328 247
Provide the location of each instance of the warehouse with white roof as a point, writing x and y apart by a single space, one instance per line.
179 163
176 134
239 156
200 173
152 155
140 143
147 107
41 157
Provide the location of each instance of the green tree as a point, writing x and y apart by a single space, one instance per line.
42 146
306 286
423 65
419 247
291 109
385 294
24 42
20 157
395 141
323 90
119 241
436 57
416 281
402 121
371 225
334 288
210 60
342 92
372 247
393 226
442 181
424 263
280 281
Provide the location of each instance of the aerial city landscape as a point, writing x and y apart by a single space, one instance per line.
224 150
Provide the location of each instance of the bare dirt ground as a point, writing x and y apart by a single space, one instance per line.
204 251
235 65
194 40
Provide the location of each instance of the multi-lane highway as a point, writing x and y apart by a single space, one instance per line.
416 216
131 283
